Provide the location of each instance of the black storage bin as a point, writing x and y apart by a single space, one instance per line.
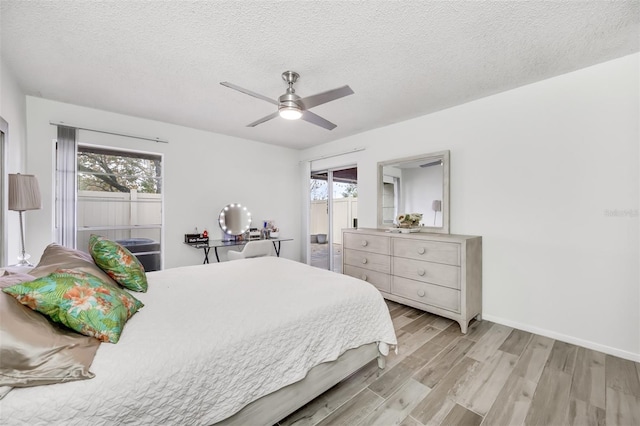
149 252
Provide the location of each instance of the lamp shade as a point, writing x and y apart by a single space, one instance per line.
24 193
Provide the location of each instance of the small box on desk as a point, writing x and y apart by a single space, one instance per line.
254 234
195 238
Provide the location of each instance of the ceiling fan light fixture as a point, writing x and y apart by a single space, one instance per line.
290 112
293 107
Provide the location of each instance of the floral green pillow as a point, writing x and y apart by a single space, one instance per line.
118 263
80 301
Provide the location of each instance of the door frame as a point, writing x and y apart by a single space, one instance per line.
4 138
329 171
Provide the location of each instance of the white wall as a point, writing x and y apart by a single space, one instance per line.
203 172
13 110
535 172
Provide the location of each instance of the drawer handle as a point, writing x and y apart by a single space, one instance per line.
421 272
364 260
364 277
364 243
421 250
421 293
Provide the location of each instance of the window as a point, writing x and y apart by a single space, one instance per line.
119 196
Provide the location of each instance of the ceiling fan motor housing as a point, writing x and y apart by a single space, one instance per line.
289 100
290 77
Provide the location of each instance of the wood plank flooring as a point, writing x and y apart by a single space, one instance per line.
493 375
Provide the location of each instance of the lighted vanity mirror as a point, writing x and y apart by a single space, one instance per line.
234 220
418 184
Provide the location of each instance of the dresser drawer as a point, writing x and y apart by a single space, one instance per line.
434 273
378 279
430 294
432 251
366 260
371 243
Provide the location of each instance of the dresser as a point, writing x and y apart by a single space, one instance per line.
437 273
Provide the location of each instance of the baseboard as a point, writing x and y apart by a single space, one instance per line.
564 338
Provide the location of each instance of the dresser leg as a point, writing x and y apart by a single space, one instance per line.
464 325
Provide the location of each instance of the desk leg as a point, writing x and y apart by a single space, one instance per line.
215 250
206 255
277 248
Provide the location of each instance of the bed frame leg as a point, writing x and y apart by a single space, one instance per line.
382 361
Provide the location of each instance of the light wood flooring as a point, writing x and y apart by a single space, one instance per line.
493 375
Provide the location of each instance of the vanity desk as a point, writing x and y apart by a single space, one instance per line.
216 244
235 223
438 273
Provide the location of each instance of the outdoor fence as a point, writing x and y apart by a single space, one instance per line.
344 211
126 215
119 215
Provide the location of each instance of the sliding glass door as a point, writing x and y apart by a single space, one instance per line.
333 207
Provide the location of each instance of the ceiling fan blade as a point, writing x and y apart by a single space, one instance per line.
248 92
263 119
324 97
317 120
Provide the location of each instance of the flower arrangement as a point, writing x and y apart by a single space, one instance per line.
409 220
274 231
271 226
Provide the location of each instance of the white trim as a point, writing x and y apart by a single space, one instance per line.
564 338
305 240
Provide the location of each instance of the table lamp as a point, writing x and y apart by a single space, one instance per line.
436 206
24 194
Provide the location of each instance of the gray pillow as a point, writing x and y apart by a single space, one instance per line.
10 278
34 351
57 257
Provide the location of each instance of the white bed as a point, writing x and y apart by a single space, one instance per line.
212 339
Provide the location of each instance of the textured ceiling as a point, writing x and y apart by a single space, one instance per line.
165 60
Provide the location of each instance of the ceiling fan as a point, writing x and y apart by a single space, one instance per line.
292 106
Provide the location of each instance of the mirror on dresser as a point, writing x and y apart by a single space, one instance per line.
418 184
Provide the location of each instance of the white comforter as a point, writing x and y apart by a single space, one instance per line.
211 339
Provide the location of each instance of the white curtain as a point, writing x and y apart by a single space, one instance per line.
66 153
